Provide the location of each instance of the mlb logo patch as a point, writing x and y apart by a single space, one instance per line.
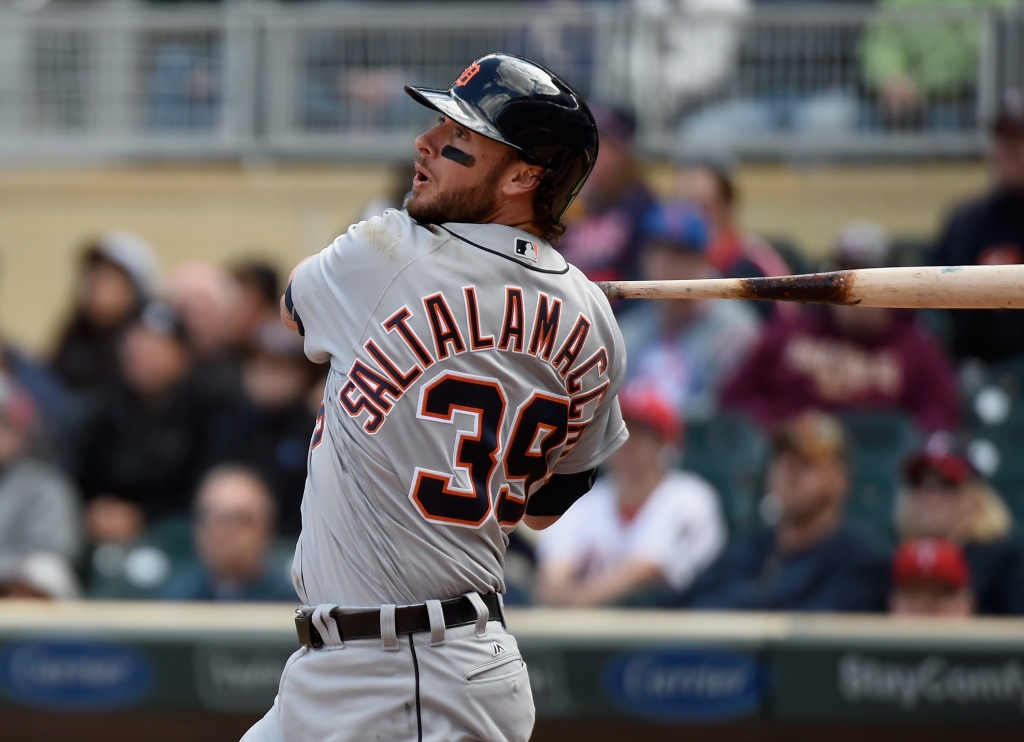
526 249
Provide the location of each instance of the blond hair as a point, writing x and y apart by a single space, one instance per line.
990 520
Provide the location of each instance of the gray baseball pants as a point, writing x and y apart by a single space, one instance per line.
463 684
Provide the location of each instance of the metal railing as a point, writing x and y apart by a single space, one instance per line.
258 80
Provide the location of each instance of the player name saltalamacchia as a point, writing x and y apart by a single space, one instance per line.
378 381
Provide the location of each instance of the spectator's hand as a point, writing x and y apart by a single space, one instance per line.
556 583
559 584
109 518
900 95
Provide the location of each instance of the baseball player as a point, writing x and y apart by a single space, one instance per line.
472 386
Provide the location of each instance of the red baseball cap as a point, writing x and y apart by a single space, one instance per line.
940 455
930 560
650 410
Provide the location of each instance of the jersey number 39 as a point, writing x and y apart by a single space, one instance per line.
537 434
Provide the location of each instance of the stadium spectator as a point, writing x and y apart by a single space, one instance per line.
848 358
605 241
924 71
810 559
947 498
732 252
52 399
146 444
930 577
277 422
117 276
990 231
644 525
39 506
208 300
233 533
684 349
258 295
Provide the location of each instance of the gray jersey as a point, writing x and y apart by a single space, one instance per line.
469 363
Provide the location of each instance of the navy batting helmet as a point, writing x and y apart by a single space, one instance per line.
519 103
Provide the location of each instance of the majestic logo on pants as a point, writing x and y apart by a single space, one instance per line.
496 649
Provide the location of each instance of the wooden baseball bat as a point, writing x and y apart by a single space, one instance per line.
939 287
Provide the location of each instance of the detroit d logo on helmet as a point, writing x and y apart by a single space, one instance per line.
467 74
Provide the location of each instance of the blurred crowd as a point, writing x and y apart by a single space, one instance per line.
655 533
159 450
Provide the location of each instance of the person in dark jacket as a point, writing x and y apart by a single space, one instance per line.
233 532
152 435
990 231
810 559
277 423
209 301
947 498
118 275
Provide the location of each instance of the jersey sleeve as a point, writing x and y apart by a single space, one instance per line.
605 433
606 430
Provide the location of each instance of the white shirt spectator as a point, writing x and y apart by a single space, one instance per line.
679 528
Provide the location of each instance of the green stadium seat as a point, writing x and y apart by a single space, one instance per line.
1009 375
139 571
937 323
992 395
173 535
282 555
879 442
995 434
729 451
996 450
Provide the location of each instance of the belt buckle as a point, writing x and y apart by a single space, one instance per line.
308 635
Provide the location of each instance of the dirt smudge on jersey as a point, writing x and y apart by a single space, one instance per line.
380 238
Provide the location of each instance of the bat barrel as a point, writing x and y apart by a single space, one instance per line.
945 287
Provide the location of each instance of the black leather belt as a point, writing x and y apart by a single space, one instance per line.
409 619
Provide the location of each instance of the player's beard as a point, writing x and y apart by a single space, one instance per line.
464 204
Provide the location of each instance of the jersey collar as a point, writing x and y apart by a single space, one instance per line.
524 248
